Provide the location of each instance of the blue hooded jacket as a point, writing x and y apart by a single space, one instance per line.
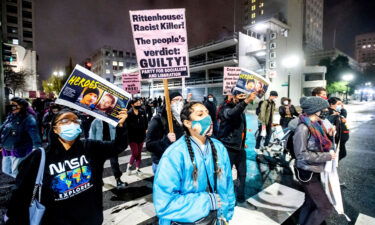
177 197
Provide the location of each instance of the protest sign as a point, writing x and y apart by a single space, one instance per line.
231 75
32 94
249 82
160 42
87 92
131 81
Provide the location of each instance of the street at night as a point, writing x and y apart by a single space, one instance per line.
172 112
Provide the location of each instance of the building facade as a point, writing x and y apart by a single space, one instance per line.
18 22
313 25
365 48
107 62
315 57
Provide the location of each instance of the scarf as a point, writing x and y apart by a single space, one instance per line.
319 132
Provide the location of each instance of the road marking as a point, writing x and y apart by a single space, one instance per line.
365 220
132 212
125 159
110 182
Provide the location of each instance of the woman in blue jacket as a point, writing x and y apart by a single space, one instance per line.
18 135
182 193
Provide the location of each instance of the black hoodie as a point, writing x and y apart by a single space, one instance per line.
72 184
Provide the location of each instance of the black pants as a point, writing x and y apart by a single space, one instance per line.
115 167
316 207
267 138
238 158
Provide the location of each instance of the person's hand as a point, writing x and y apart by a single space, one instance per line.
343 119
123 115
250 98
333 155
189 96
171 137
218 201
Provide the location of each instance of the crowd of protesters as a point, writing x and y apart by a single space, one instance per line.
192 164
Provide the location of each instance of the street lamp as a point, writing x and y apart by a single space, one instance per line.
58 73
289 63
347 77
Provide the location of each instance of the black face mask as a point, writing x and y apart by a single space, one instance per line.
241 100
137 106
323 115
12 107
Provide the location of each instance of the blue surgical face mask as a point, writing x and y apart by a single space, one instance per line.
338 108
70 131
204 123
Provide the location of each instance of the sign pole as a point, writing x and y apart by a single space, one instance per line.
168 106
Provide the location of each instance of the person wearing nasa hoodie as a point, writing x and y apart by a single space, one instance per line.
72 183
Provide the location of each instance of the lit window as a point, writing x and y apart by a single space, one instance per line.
253 7
253 1
261 12
107 71
114 63
253 15
120 63
253 22
368 46
261 5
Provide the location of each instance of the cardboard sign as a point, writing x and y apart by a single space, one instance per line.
231 75
249 82
89 93
131 82
160 42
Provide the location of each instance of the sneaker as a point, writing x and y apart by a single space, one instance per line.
128 172
139 172
120 184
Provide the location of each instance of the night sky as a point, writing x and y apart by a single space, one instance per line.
76 28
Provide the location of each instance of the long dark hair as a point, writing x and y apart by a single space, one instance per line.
25 106
185 115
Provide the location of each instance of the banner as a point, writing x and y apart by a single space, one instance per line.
87 92
131 81
32 94
231 75
249 82
160 42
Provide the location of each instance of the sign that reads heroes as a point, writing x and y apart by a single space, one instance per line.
160 41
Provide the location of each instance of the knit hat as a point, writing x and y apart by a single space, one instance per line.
314 104
274 93
91 90
174 94
303 98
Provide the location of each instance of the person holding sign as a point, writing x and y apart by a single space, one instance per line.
73 173
194 181
158 137
232 133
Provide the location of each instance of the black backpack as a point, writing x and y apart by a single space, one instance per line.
289 143
257 110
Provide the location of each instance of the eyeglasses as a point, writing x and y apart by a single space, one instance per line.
68 121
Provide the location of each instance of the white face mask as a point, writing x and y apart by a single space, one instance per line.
286 102
211 99
176 110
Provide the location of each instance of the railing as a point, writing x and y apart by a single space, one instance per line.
234 36
214 60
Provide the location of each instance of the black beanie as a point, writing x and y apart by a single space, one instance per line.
91 90
274 93
174 94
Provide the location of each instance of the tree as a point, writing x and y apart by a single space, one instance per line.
337 87
53 85
15 80
336 68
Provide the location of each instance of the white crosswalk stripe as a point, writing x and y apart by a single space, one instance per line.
365 220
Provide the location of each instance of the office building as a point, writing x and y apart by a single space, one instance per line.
365 48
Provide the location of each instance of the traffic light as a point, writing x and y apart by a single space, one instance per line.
7 53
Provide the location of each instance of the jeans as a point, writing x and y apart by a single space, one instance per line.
316 207
154 167
136 149
10 165
238 158
115 167
267 138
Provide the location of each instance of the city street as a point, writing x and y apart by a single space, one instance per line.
134 204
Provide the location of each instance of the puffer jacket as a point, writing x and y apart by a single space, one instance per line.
308 155
177 197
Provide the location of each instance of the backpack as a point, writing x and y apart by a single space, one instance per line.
289 143
257 110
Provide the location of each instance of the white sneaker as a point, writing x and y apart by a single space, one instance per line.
128 172
139 172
